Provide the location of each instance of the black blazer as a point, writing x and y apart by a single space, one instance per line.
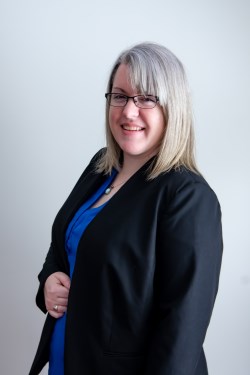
145 278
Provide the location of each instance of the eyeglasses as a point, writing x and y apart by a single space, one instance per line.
141 101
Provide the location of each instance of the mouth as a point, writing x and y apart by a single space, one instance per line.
133 128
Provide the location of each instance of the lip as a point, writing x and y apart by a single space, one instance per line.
132 127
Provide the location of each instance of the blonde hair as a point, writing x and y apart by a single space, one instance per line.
155 70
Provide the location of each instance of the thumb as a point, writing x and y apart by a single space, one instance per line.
63 279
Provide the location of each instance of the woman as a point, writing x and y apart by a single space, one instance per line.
136 248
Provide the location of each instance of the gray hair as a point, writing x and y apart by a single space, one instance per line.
155 70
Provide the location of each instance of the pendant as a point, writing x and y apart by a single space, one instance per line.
108 190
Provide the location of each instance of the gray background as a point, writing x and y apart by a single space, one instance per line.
55 57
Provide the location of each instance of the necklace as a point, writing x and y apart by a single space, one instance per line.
111 187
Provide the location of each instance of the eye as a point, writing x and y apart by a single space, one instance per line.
147 99
119 97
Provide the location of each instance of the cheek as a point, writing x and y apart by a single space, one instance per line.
162 120
160 125
158 121
113 116
110 118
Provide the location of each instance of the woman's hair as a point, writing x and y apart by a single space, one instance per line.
155 70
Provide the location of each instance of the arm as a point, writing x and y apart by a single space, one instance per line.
52 264
188 260
49 267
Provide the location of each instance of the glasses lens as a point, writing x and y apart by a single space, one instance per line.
146 101
117 100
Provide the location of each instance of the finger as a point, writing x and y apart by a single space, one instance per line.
57 311
58 305
56 290
55 314
62 292
63 279
51 302
58 298
62 301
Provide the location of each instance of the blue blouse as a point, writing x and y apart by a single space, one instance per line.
74 232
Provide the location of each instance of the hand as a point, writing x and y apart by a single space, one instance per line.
56 292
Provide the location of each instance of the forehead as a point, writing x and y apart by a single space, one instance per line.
122 79
137 78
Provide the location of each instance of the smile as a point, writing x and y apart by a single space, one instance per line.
132 128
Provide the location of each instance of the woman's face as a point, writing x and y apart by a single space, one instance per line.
137 131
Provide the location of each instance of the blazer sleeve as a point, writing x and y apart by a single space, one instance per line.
52 264
188 261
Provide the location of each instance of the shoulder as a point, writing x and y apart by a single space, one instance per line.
98 155
188 201
91 167
90 170
184 183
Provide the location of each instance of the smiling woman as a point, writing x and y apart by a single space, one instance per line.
154 70
132 273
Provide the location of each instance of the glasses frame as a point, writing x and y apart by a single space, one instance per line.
107 96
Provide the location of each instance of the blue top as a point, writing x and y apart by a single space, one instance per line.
74 232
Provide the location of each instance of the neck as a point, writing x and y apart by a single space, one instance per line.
132 164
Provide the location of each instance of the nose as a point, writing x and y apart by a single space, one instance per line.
131 110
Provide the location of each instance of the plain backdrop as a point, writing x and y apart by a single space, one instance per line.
55 57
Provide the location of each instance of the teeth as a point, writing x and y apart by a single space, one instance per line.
134 128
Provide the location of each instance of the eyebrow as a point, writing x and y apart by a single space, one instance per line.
118 88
